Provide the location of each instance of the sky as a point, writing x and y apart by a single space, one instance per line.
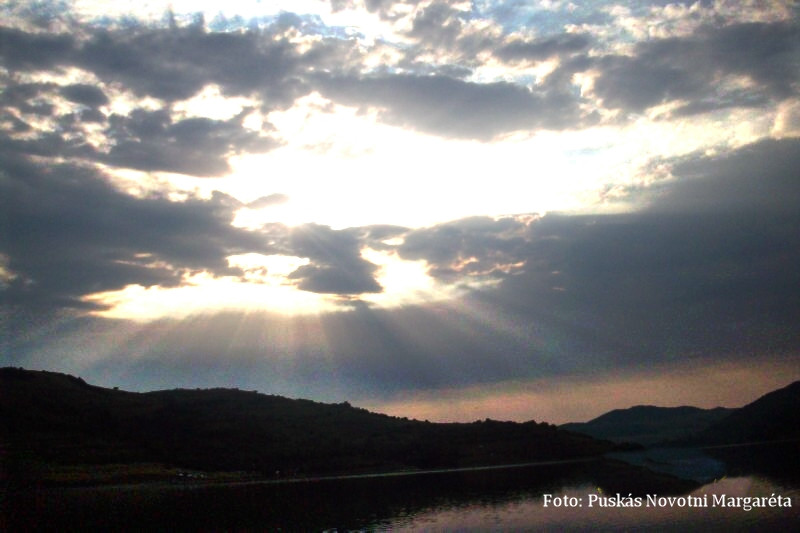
446 210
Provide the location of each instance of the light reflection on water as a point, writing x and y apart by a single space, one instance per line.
506 499
527 513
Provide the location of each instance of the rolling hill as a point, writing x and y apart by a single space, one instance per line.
774 416
648 425
48 418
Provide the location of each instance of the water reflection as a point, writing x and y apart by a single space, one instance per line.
685 463
530 512
502 499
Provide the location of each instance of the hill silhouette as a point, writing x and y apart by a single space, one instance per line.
774 416
55 419
648 425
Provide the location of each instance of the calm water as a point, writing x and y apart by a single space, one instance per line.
505 499
529 513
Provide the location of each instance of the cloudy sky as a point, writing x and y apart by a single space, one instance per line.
441 209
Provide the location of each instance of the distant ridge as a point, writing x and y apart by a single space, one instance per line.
52 418
648 424
774 416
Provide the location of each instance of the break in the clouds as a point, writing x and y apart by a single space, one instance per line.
377 199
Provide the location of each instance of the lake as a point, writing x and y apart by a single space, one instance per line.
662 514
480 499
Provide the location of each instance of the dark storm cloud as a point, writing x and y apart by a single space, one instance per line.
68 233
455 108
336 263
693 68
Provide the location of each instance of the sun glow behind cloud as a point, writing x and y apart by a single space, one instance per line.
345 169
441 196
264 286
376 172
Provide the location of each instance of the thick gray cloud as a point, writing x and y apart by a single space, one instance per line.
170 63
695 68
22 50
541 49
709 268
174 64
437 24
596 295
149 140
478 247
68 233
761 177
703 71
336 263
454 108
28 98
441 29
666 286
143 140
88 95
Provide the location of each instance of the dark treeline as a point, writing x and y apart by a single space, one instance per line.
51 418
